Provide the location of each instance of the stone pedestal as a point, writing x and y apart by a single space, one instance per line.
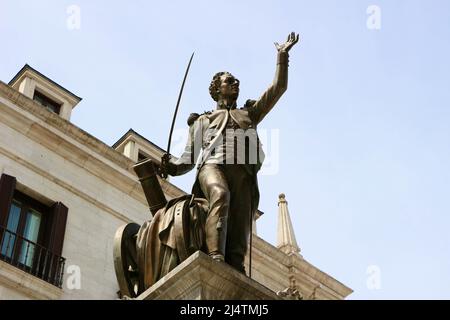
201 278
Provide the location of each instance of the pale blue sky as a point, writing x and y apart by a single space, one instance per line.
364 125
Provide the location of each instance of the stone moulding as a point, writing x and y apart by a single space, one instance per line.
201 278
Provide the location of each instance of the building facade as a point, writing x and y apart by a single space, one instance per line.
64 193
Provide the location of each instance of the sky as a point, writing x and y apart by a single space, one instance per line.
359 143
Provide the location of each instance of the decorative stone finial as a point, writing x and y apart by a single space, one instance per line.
286 241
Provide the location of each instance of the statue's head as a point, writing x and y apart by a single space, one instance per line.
224 86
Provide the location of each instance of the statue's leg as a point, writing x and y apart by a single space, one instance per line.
240 184
215 187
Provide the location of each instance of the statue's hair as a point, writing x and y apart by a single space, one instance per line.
215 84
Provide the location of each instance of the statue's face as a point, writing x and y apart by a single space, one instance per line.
229 87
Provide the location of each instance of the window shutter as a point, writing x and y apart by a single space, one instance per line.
58 228
7 187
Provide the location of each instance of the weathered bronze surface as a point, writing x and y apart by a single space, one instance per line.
147 173
228 180
144 254
125 263
216 218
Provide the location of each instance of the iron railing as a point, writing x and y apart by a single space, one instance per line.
31 257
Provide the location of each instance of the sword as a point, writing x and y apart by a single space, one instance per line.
166 157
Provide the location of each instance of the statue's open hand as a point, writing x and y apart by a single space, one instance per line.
290 42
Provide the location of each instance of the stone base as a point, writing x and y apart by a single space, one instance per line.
201 278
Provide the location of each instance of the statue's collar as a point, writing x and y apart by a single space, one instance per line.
222 106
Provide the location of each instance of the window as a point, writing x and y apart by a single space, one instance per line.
46 102
23 228
31 233
142 156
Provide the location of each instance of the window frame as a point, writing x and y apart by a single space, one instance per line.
47 102
26 203
142 155
51 234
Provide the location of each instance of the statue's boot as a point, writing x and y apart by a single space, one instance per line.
216 237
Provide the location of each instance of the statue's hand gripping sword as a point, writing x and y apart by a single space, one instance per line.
166 157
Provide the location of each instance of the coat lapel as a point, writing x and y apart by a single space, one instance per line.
240 116
216 118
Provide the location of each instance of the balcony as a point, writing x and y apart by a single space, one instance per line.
31 257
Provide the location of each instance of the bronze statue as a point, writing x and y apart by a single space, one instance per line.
228 180
216 218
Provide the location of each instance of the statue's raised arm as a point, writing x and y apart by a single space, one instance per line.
270 97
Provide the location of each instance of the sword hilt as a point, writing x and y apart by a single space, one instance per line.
164 165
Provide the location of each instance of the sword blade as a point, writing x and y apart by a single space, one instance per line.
178 104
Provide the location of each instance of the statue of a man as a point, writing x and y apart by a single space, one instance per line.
231 156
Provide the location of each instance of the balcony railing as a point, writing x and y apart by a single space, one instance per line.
31 257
